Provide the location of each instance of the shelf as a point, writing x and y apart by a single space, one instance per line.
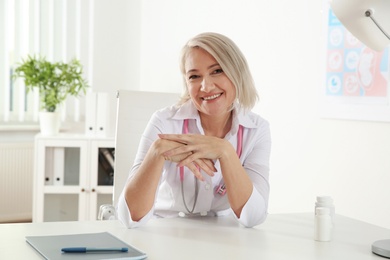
70 179
61 189
104 189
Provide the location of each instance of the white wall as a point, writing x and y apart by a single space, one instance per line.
116 49
284 42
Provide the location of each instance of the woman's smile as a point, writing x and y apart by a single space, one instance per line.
213 97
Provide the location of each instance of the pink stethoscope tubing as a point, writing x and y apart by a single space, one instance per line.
221 189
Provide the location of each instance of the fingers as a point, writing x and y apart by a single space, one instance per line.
177 158
180 138
173 151
191 153
196 166
207 166
178 151
195 170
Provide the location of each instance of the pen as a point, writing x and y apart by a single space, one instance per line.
93 249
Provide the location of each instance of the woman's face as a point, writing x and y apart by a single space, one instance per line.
210 89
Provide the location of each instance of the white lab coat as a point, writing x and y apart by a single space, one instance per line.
256 146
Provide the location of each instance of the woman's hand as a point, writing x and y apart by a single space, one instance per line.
163 145
199 149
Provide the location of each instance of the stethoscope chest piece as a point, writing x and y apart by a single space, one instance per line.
221 189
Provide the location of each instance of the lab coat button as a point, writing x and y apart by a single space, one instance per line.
207 186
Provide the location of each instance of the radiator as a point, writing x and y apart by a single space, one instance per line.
16 183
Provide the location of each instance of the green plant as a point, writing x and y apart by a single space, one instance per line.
55 80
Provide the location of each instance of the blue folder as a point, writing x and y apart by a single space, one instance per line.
50 246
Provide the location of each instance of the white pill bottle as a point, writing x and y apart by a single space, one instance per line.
323 226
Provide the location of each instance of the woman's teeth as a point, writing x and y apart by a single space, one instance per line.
212 97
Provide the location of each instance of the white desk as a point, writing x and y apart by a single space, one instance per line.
282 236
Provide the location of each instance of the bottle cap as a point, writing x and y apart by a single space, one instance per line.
324 199
322 211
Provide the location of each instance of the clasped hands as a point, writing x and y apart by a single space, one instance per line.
193 151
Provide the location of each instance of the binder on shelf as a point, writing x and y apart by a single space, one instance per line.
49 166
108 155
97 114
59 166
108 169
106 164
102 114
90 113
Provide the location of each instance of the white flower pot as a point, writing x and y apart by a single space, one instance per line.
49 123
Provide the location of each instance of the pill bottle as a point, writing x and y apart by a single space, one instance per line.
326 202
323 227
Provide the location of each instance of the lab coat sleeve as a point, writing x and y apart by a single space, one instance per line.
254 211
150 134
124 215
256 165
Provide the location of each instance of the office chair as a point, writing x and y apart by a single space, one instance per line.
134 109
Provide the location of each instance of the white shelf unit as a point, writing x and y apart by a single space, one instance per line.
69 182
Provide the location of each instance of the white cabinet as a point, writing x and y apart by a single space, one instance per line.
70 180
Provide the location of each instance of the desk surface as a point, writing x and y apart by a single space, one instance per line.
282 236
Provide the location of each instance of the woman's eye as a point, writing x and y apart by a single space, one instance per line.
193 77
218 71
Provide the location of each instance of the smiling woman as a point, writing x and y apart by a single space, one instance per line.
209 154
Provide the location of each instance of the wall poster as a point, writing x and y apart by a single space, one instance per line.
357 78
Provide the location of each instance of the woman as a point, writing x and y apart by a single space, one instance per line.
209 154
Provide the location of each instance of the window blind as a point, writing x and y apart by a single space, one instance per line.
59 30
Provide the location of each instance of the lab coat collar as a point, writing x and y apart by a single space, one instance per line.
240 117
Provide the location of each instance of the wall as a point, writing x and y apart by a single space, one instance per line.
284 44
137 45
116 49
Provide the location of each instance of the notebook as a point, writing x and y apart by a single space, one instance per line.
50 246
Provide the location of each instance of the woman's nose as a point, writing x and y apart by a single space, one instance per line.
206 85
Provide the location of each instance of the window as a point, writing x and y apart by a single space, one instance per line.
55 29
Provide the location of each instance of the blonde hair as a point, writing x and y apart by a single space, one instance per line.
232 62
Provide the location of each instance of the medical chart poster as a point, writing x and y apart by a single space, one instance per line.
356 78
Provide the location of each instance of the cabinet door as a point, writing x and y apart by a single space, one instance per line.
60 188
101 162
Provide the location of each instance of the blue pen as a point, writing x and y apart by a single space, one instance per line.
93 249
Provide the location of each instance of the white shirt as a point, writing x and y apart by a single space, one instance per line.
256 146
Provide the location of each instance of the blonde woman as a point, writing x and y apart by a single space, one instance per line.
208 154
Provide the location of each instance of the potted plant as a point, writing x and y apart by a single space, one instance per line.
55 81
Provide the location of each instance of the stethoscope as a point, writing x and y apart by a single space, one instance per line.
221 189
